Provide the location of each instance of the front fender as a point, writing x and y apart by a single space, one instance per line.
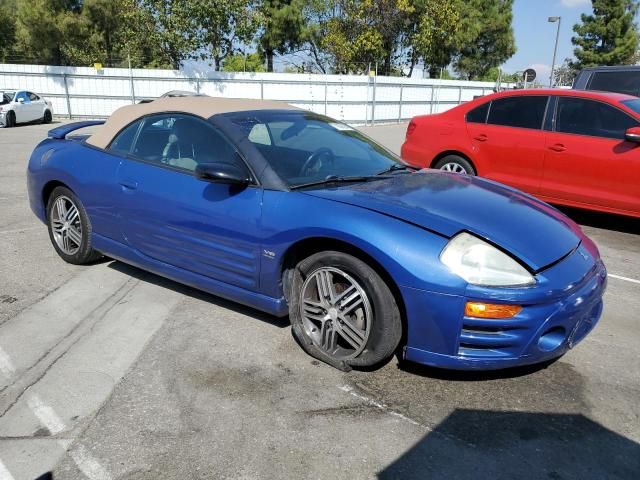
408 253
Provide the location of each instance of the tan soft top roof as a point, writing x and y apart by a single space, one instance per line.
203 107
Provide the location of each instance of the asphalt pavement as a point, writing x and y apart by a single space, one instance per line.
109 372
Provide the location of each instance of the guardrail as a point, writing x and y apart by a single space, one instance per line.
83 92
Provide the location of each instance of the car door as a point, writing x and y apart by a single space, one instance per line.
171 216
36 105
510 144
22 107
587 159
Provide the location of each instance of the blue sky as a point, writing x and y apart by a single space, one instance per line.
535 36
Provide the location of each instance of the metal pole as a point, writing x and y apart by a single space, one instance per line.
325 94
133 93
262 89
373 106
198 85
66 92
431 102
459 94
555 51
400 105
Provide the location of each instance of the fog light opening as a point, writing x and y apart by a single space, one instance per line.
552 339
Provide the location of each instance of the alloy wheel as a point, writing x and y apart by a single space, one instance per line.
66 225
336 312
453 167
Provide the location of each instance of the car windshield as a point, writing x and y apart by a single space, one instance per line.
6 97
632 104
305 148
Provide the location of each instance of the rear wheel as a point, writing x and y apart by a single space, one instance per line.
47 117
342 312
455 164
69 227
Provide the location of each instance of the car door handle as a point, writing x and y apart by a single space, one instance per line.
481 138
558 147
129 184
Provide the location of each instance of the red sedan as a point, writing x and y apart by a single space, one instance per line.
569 147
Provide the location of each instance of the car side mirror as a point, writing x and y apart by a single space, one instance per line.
21 100
632 135
222 173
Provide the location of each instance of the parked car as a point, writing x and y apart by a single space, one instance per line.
23 107
569 147
294 213
622 79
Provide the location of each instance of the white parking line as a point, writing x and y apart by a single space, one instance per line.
6 366
89 465
626 279
5 474
46 415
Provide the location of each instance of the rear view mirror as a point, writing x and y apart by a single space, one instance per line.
632 135
222 173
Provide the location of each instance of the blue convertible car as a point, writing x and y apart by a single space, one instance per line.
296 214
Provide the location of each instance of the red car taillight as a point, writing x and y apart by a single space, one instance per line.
411 128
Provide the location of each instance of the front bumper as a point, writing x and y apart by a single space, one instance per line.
548 325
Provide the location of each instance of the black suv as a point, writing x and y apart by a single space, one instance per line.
623 79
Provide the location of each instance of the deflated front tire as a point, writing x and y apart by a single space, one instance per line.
342 312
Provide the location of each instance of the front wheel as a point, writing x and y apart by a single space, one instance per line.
70 227
47 117
455 164
342 312
11 119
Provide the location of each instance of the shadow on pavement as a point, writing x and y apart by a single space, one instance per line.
197 294
606 221
478 444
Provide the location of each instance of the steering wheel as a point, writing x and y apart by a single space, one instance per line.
316 158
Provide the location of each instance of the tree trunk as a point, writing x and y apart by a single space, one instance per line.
434 71
269 55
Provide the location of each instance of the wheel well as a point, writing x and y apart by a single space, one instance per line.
48 189
309 246
440 156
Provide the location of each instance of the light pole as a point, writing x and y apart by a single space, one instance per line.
555 49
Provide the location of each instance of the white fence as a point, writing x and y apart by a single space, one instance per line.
83 92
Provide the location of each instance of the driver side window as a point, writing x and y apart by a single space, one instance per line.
183 142
23 96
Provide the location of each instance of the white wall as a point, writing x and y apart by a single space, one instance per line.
356 99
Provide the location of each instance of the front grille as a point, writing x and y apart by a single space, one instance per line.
491 338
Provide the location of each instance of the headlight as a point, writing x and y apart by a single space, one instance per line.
480 263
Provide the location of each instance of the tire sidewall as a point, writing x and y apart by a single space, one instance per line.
47 117
386 327
85 253
11 119
464 163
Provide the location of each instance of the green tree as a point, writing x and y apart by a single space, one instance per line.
282 27
252 62
47 30
175 28
434 34
565 73
7 28
220 26
608 36
494 42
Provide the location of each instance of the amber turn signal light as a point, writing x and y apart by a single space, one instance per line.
490 310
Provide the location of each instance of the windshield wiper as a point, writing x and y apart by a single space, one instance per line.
396 167
336 179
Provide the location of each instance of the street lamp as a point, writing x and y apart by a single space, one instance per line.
555 49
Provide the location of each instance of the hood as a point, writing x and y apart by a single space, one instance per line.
447 204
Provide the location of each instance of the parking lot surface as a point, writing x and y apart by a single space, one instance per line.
109 372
